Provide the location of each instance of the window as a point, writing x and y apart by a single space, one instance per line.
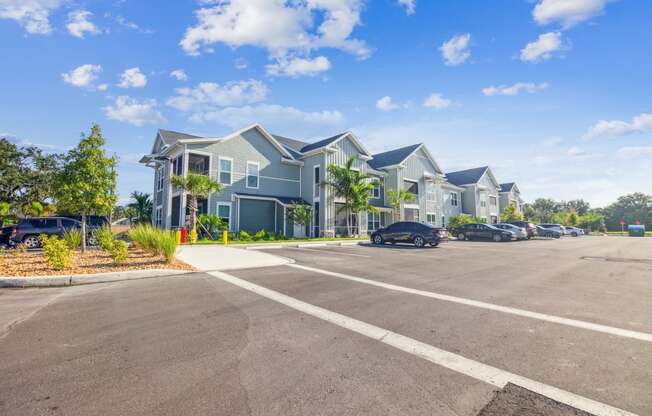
443 221
177 166
373 221
224 212
68 224
493 201
431 219
198 164
483 203
315 186
226 171
159 179
252 174
411 187
375 191
43 223
158 217
431 192
454 200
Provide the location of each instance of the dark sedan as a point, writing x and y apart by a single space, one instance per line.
410 232
28 230
482 231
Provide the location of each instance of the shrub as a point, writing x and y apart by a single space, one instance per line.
119 251
156 241
260 235
56 251
167 245
244 236
73 238
104 238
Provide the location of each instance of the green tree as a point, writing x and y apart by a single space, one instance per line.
592 221
510 214
463 219
35 209
86 184
396 198
631 208
210 226
4 212
197 186
142 207
300 214
350 185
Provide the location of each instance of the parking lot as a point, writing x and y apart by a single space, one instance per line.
350 330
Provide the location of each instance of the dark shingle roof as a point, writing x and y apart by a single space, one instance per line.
171 137
321 143
392 157
465 177
506 187
293 144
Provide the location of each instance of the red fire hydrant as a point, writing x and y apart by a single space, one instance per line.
184 235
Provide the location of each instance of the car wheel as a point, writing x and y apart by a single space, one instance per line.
378 239
419 241
434 244
91 240
31 241
574 234
498 238
461 236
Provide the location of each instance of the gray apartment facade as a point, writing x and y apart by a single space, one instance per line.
264 174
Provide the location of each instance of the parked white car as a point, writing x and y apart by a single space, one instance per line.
519 232
574 231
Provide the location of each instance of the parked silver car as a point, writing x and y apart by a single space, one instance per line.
519 232
574 231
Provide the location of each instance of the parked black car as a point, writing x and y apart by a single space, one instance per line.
529 227
482 231
5 234
28 230
410 232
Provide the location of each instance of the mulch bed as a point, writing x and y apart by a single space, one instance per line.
15 263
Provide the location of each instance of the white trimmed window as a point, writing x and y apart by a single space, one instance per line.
454 200
158 217
315 182
159 179
225 175
493 201
375 191
483 203
431 219
431 192
253 175
373 221
224 212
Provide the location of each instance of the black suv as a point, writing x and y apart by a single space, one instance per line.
482 231
409 232
28 230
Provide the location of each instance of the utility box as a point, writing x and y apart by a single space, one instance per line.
636 230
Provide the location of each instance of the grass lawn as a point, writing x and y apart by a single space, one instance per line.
289 240
620 233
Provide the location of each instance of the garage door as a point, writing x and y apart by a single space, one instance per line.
256 215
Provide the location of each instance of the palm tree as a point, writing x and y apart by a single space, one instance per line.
352 186
396 199
141 207
197 186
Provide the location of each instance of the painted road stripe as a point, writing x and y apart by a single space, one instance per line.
335 253
457 363
641 336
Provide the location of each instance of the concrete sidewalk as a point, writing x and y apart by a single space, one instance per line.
216 257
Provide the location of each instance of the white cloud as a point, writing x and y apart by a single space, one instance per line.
552 141
208 95
179 74
274 117
130 110
33 15
567 12
410 5
132 78
436 101
79 24
633 152
132 25
542 48
240 63
455 51
386 104
297 67
642 123
82 76
278 26
515 89
575 151
103 87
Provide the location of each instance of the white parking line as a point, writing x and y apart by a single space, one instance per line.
454 362
641 336
335 253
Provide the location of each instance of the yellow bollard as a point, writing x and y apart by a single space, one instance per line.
177 236
225 238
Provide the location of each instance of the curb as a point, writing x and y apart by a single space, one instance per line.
86 279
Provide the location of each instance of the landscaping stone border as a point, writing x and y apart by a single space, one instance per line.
86 279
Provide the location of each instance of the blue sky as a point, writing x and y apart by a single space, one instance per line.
552 94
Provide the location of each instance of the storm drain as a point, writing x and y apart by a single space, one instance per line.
617 259
514 400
